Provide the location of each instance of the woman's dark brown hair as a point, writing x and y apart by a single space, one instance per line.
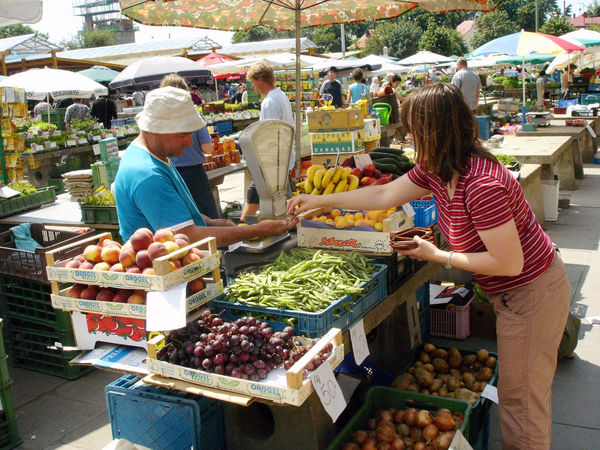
444 130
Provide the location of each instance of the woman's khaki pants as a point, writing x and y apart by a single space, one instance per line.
530 323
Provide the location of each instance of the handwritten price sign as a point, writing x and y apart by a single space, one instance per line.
328 390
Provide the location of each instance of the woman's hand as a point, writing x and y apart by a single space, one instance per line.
425 251
303 202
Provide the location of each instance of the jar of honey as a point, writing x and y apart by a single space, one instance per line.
235 157
226 159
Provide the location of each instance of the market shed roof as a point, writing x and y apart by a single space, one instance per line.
27 44
270 46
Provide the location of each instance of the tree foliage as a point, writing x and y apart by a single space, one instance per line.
442 40
492 26
401 39
557 26
18 30
594 9
89 39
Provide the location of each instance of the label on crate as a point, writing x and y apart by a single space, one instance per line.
44 135
72 142
120 134
108 135
96 138
408 209
81 141
490 392
166 309
328 390
589 128
96 149
360 348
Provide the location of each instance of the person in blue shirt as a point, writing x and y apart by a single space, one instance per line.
190 164
150 192
358 89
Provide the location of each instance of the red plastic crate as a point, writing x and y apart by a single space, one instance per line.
452 323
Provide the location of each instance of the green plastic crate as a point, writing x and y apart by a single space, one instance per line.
58 184
57 117
385 397
99 214
9 434
14 205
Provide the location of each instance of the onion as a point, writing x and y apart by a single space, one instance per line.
444 420
372 423
430 432
423 418
403 429
399 416
384 446
359 437
351 446
416 434
443 441
398 443
386 431
383 414
419 446
410 417
369 444
408 442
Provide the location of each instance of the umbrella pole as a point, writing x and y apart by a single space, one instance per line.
48 101
298 135
523 72
216 90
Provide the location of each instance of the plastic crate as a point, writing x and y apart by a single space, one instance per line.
587 99
340 314
386 397
422 295
593 88
224 128
399 268
157 417
369 371
452 323
14 205
9 434
32 265
581 80
483 438
99 214
567 103
425 212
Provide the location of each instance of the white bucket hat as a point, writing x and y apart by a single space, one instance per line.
169 110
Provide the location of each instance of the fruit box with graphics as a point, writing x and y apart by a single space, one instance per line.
280 386
164 276
363 238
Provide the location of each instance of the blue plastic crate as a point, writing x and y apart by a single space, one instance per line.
369 370
224 128
340 314
425 212
157 417
567 103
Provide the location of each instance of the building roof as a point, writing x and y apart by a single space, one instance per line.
270 46
362 41
583 21
464 27
27 44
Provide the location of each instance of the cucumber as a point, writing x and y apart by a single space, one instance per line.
378 155
387 161
394 151
391 168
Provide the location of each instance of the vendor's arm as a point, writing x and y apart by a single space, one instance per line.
203 141
217 222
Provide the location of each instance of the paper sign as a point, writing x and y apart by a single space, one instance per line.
34 147
96 148
45 135
166 310
53 144
459 442
82 141
108 135
30 136
71 142
120 134
360 348
97 138
362 161
97 126
490 392
129 359
408 209
6 192
73 136
589 128
463 291
328 390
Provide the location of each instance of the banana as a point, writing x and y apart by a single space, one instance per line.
342 186
312 170
329 189
300 185
353 182
318 176
308 187
328 177
338 174
345 173
316 191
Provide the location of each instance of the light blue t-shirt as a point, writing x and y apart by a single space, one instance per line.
150 193
192 155
358 90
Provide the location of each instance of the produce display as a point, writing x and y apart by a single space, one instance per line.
303 280
322 181
212 118
101 197
391 160
372 218
448 373
407 429
23 187
369 174
247 348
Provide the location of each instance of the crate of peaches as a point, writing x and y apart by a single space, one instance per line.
366 231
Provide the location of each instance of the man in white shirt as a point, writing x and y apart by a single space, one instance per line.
468 82
275 106
375 86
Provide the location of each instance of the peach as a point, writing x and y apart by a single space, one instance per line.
118 267
73 264
105 295
110 243
137 299
163 235
93 253
148 271
182 236
133 269
173 267
86 265
145 230
89 293
142 260
76 290
104 266
171 246
177 263
110 254
140 241
195 285
156 250
122 295
181 242
127 256
196 251
190 258
80 258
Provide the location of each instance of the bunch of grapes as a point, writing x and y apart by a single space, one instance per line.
298 352
247 348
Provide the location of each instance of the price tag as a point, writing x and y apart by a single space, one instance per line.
120 134
166 309
53 144
328 390
589 128
408 209
72 142
97 126
109 135
73 136
360 348
96 148
490 392
459 442
82 141
30 136
97 138
45 135
34 147
362 161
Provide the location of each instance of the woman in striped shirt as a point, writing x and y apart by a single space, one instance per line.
494 235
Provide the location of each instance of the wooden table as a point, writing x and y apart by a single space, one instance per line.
554 153
591 143
582 141
485 106
531 183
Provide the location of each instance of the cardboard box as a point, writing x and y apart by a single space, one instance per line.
372 129
329 160
349 238
327 120
109 150
336 142
370 145
508 105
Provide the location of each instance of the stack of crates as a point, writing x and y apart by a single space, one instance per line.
105 171
9 435
423 301
31 323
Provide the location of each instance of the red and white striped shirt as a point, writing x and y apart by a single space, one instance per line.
486 197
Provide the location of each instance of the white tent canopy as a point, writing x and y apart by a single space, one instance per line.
583 37
485 61
563 60
391 68
20 11
58 83
424 57
276 61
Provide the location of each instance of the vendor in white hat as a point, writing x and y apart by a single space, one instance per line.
150 192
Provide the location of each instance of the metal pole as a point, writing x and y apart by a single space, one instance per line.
536 15
298 135
523 111
343 36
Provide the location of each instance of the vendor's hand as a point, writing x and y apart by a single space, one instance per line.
221 223
303 202
275 227
425 251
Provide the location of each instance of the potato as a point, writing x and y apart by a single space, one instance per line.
477 366
484 374
436 384
429 367
443 377
454 357
478 386
403 381
425 391
424 357
418 364
469 360
453 384
411 370
423 377
441 365
429 348
490 362
467 395
469 379
435 393
440 353
456 373
443 390
413 387
482 355
451 395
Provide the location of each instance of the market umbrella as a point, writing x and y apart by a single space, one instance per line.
13 12
100 74
564 60
424 57
588 38
212 59
531 59
147 73
526 43
40 83
236 15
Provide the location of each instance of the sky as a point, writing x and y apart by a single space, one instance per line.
60 22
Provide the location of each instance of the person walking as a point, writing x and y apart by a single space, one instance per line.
333 87
468 82
540 86
77 111
358 89
493 233
104 109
